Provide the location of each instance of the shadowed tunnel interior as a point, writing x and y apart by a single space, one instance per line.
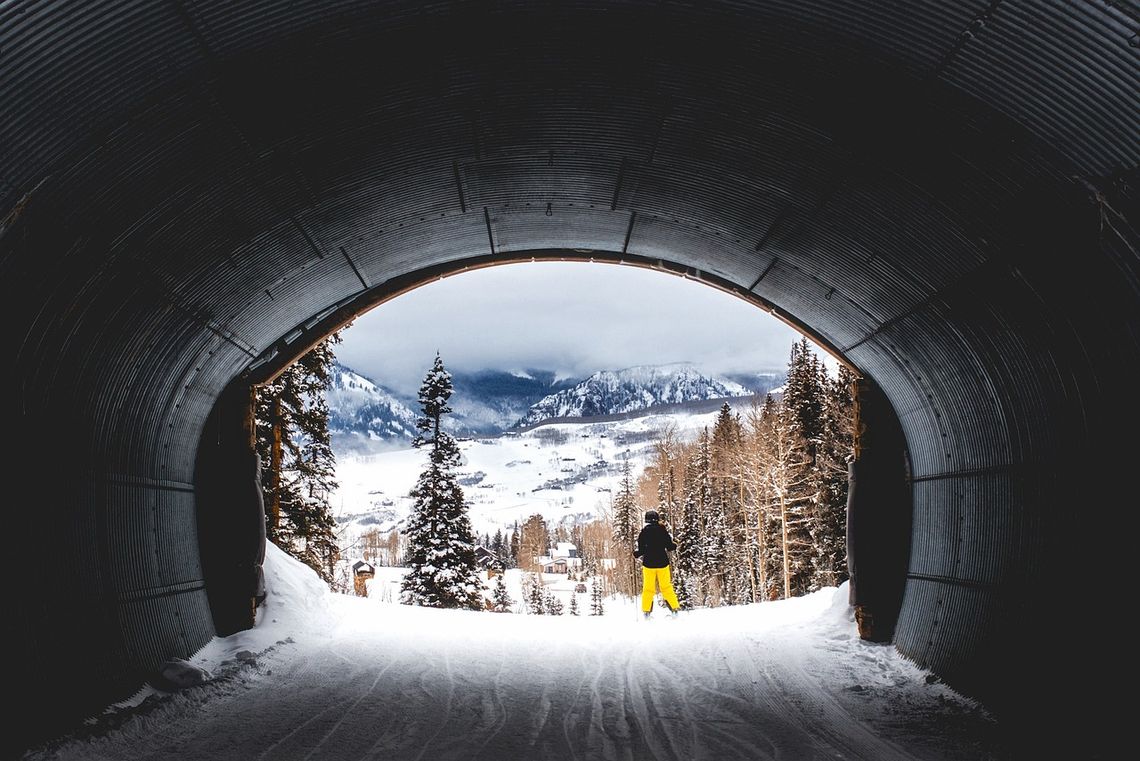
192 192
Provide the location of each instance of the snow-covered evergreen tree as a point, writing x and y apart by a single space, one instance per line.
596 606
728 509
627 523
790 480
535 595
501 601
712 526
298 470
829 524
552 604
573 603
687 535
443 572
803 397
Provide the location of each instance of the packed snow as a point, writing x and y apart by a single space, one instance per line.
326 676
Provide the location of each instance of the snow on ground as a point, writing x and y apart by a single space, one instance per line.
325 676
563 471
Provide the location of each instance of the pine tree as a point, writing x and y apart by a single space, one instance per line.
687 531
553 604
513 548
535 595
728 503
501 601
298 465
596 607
829 527
573 603
499 546
443 572
803 395
626 526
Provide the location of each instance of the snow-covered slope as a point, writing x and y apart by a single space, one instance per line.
364 416
565 472
632 389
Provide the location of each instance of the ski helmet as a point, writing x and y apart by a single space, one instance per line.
651 516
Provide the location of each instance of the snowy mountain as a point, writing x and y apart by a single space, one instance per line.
363 416
490 401
759 383
636 388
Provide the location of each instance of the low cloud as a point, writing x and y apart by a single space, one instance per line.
571 318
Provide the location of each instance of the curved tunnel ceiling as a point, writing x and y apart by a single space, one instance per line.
943 192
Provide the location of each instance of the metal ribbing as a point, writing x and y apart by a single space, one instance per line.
1067 71
77 65
561 227
922 183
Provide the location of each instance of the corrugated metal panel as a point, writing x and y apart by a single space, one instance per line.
564 227
798 292
961 533
951 627
702 245
562 179
72 65
944 189
405 248
1068 71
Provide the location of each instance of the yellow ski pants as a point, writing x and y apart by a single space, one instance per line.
651 578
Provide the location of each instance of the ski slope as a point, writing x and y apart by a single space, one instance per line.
324 676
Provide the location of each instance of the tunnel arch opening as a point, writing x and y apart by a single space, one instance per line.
232 550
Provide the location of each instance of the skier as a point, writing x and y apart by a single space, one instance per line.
652 545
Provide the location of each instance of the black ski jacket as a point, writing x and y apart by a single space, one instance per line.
652 542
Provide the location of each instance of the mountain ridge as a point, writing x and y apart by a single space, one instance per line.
364 416
609 392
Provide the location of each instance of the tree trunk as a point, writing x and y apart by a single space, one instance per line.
784 540
275 470
763 575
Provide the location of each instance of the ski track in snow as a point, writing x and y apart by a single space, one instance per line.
352 678
552 693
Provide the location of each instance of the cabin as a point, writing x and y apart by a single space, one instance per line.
362 571
485 559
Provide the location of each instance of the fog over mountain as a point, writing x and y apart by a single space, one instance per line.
364 416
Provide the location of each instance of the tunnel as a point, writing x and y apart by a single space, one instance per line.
194 192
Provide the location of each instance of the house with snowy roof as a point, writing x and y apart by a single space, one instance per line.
561 558
485 558
362 571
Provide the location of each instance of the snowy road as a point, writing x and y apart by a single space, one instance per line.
366 680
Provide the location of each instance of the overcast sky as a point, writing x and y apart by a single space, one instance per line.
570 317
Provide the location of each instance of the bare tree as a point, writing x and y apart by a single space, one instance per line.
789 478
532 543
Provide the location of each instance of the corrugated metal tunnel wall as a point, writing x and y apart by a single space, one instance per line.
944 192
